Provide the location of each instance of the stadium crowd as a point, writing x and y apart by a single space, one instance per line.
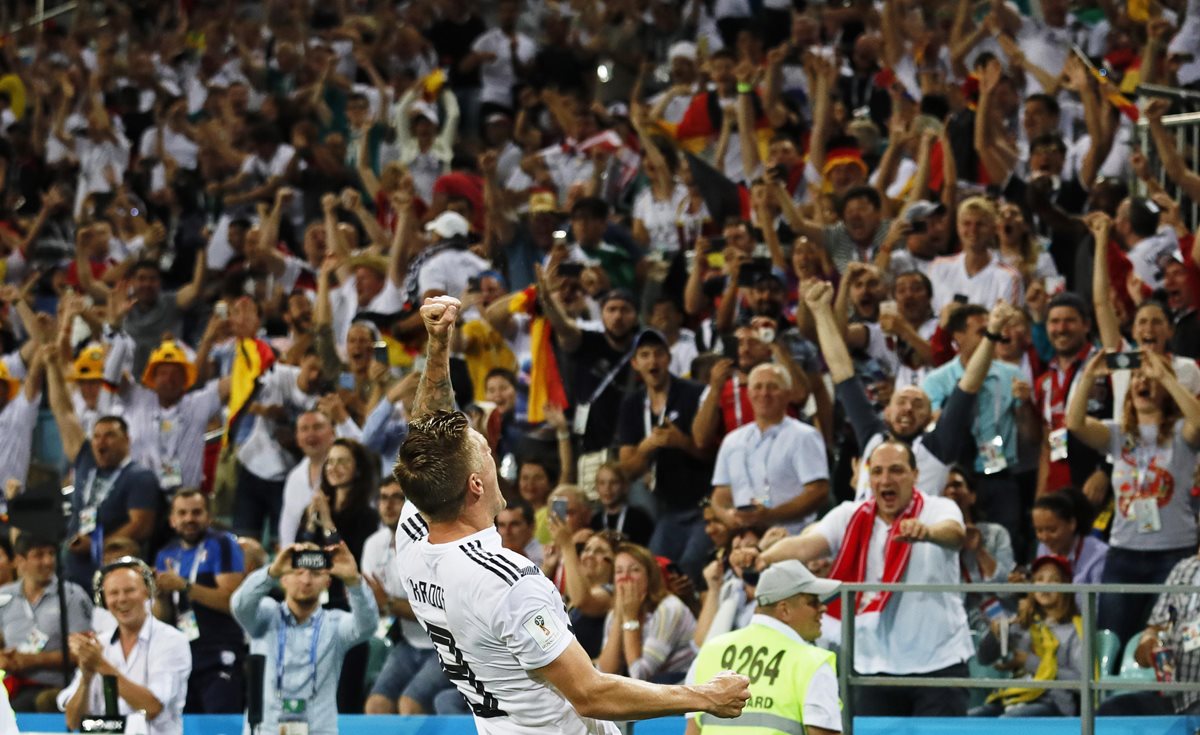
890 288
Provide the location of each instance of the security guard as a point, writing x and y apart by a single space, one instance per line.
793 684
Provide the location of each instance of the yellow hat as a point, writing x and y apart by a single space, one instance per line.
377 263
12 384
169 353
89 365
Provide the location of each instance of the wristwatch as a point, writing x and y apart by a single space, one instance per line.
996 337
631 625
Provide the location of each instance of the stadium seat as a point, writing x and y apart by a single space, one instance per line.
1108 650
1130 669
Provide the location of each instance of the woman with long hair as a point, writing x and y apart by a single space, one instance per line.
648 633
343 509
1154 450
588 573
1045 643
1019 247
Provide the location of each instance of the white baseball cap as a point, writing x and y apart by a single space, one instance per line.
682 49
790 578
448 224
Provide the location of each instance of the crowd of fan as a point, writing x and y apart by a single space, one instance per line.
710 256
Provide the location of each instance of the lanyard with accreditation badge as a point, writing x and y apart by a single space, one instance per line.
294 710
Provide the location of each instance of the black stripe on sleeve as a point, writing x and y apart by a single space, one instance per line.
503 574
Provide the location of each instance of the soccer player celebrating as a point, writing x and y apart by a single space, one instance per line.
498 625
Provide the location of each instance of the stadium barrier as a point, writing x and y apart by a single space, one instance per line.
1186 127
1087 686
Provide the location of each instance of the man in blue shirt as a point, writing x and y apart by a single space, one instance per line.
197 573
1003 409
304 644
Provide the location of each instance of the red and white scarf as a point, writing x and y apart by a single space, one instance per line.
851 562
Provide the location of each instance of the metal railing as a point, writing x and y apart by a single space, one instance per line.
1086 686
44 10
1186 127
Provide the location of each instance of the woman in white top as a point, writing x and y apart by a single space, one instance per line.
1020 249
648 634
1154 450
656 207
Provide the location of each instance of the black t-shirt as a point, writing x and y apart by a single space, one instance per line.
680 480
636 525
593 362
1186 341
452 41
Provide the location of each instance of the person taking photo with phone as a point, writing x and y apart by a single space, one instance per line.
1154 448
304 644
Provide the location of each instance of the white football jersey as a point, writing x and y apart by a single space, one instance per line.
493 617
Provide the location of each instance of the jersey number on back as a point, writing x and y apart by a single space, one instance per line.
457 670
751 662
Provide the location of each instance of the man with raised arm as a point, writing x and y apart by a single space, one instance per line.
498 625
908 414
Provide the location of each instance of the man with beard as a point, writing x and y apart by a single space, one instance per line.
908 414
304 644
655 438
197 573
1065 460
600 359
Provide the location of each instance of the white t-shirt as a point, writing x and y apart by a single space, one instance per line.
449 271
659 217
917 632
498 76
493 618
994 282
176 145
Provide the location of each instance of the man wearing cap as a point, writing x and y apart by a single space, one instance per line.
897 535
796 688
90 399
671 103
773 471
450 265
600 361
426 146
654 433
167 419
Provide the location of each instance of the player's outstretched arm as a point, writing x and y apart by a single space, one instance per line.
434 392
611 697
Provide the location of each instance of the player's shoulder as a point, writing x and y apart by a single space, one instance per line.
498 568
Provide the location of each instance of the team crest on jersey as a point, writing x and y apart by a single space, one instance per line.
530 572
544 628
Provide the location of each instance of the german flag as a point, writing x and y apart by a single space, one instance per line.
701 123
251 359
545 381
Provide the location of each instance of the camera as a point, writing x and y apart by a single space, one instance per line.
570 270
313 559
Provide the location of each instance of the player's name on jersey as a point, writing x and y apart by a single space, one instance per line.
428 593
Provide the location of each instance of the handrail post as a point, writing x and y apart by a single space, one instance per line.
1087 713
846 668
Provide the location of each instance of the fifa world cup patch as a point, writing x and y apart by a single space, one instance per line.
544 628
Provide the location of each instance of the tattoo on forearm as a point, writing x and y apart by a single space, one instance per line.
434 392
